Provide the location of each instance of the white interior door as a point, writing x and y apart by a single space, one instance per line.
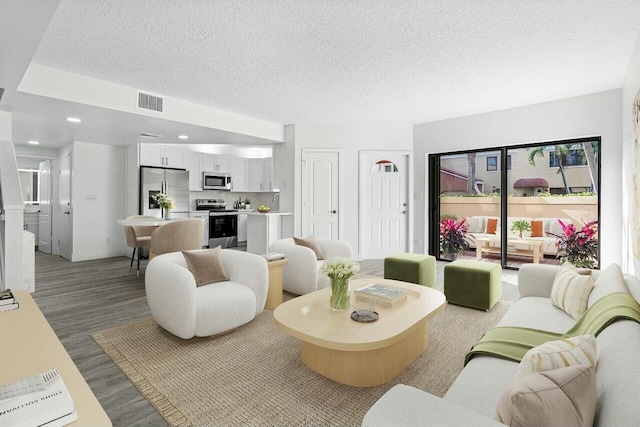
64 208
321 193
384 203
44 215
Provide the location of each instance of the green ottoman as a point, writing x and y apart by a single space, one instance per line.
473 284
413 268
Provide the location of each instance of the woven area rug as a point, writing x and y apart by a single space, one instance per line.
253 376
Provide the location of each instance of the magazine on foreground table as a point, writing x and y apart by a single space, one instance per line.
40 400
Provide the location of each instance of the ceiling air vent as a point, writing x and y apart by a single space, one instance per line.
147 101
149 135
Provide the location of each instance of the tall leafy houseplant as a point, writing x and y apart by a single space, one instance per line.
578 246
452 236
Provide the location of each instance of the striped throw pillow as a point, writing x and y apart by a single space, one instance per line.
580 350
570 291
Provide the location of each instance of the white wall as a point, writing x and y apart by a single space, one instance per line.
589 115
98 171
351 138
629 91
284 176
5 126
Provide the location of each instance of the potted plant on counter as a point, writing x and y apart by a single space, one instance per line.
247 203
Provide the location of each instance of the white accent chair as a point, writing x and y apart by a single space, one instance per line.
300 274
188 311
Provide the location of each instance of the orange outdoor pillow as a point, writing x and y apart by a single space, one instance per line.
536 229
492 225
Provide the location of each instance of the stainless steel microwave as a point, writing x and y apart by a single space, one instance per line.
216 181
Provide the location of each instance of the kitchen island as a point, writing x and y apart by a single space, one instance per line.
262 230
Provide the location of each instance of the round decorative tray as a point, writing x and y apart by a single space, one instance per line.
368 317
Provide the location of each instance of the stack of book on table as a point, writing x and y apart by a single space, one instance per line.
386 295
40 400
7 300
273 256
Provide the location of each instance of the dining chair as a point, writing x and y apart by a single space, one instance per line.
138 237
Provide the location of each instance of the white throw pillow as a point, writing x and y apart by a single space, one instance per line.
609 281
580 350
570 291
476 224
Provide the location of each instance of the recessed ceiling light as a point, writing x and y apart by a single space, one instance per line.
183 136
33 142
73 119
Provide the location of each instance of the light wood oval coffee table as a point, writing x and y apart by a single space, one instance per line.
361 354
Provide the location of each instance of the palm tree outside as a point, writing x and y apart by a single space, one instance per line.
561 152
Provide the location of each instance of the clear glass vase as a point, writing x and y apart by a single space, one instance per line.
167 213
339 293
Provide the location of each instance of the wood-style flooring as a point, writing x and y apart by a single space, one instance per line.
80 298
84 297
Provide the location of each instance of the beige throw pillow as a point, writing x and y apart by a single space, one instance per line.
206 265
561 397
580 350
311 243
570 291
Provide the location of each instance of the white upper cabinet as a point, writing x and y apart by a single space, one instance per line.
267 174
208 162
223 163
161 155
192 163
238 174
260 175
216 163
151 155
254 175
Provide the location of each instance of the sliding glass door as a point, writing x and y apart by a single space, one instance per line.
513 205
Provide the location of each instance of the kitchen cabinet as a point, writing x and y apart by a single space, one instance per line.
242 227
260 175
161 155
238 174
267 174
216 163
192 163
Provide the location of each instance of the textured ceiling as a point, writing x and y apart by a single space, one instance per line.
313 61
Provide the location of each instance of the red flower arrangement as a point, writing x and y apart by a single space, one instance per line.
578 246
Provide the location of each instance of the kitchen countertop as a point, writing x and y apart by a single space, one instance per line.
269 213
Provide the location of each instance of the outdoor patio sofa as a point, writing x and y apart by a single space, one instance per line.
473 397
478 228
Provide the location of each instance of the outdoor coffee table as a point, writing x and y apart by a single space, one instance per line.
361 354
523 247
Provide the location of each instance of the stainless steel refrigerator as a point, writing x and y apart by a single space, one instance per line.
174 182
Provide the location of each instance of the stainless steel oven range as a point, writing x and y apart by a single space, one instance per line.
223 222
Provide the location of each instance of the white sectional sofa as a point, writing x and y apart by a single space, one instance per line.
473 397
478 228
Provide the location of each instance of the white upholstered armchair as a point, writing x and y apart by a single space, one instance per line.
187 310
300 274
